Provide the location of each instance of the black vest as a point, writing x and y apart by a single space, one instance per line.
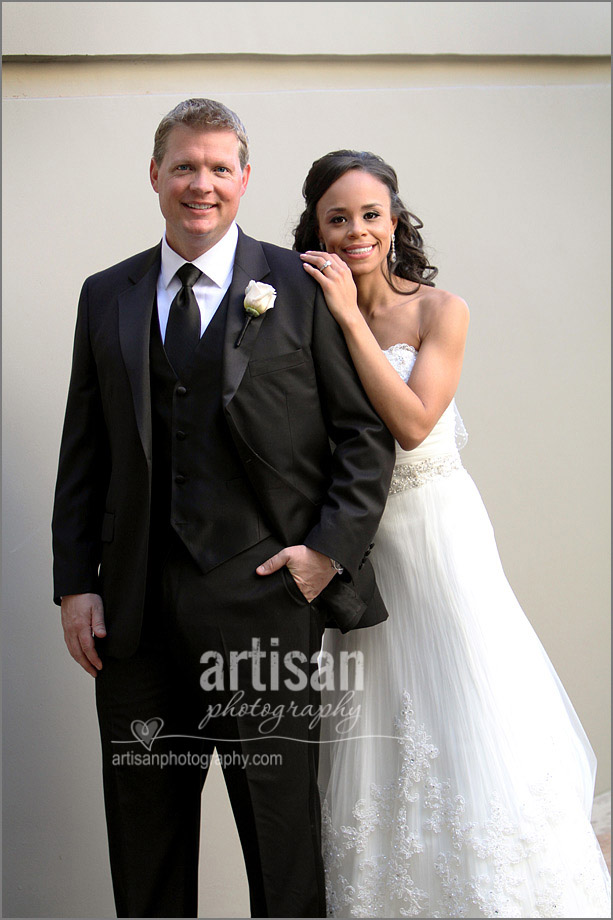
199 487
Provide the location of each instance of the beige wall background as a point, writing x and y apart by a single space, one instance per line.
496 117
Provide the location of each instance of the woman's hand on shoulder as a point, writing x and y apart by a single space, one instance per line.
337 284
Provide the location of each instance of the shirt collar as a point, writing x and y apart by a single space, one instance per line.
216 263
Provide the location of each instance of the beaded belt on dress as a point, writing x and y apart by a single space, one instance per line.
418 473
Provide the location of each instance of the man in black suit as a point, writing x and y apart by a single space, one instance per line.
220 482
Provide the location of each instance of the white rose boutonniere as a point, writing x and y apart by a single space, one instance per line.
259 298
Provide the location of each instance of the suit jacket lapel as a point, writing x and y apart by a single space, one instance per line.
135 309
250 264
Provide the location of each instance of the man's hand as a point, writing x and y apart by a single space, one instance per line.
311 570
82 619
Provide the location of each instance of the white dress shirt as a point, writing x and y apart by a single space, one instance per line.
216 265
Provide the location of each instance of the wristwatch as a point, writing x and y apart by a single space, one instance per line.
336 565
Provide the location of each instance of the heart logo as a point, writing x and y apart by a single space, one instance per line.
147 732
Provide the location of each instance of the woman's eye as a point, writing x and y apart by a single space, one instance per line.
337 220
371 215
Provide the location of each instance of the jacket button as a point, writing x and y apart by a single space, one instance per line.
181 391
180 435
370 545
180 479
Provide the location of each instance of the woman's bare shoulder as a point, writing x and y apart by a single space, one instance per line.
442 310
440 300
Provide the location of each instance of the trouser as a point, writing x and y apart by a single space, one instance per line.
225 662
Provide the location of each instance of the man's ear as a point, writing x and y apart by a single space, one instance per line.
245 179
153 174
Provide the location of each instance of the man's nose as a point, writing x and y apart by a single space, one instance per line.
202 180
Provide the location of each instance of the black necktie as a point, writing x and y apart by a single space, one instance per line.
183 329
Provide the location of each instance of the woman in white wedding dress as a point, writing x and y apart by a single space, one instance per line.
464 788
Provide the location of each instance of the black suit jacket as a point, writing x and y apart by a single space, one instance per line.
318 456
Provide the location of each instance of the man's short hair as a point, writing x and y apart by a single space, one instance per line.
201 113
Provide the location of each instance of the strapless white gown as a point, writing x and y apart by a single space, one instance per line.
465 787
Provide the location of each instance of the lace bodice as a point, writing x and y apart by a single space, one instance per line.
449 433
402 357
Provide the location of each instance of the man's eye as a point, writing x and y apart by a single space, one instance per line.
222 169
182 166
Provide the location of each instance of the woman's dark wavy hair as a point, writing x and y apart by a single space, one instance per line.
411 261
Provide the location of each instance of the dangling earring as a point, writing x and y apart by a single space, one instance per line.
321 246
393 249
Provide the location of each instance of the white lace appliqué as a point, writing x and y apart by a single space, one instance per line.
476 870
402 357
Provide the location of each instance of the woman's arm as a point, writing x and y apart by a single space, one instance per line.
410 412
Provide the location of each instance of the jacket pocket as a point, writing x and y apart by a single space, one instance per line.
291 586
108 527
276 362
